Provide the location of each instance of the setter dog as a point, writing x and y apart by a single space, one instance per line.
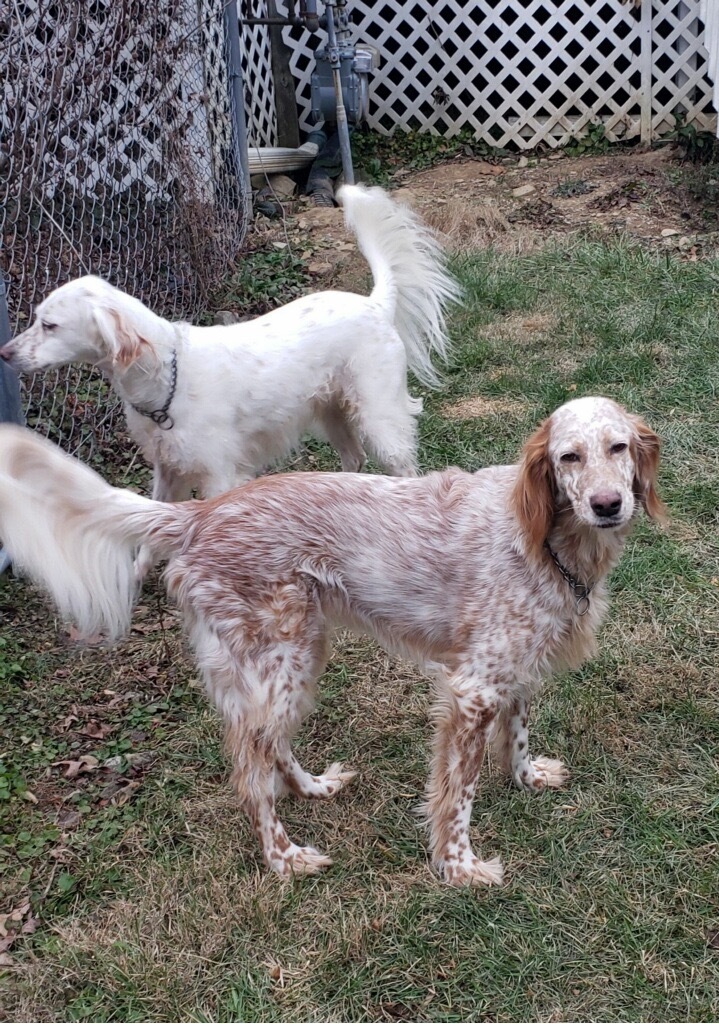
211 407
491 581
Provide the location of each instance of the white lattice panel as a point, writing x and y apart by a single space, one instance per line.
257 71
525 72
679 66
709 12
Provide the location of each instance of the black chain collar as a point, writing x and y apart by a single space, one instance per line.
161 417
581 590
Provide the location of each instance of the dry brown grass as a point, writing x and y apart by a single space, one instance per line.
478 407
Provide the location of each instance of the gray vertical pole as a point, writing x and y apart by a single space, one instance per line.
10 407
342 124
237 103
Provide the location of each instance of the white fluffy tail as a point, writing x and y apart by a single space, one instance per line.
74 534
411 281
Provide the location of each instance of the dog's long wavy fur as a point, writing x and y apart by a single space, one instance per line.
410 278
451 569
239 397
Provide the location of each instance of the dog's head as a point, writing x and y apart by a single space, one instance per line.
83 321
592 460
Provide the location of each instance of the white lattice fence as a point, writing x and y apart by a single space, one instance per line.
522 72
257 70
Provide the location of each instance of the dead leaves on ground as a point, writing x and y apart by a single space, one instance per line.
18 922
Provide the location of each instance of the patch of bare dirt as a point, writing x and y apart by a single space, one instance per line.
641 194
478 407
474 204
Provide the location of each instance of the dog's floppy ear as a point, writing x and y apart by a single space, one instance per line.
534 494
122 340
645 450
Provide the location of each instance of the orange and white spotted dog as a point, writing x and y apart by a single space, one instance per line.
492 581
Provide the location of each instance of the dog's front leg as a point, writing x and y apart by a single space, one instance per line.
512 745
464 713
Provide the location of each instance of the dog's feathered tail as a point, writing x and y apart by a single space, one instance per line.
411 281
74 534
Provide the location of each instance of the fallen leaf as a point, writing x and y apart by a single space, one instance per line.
85 638
69 819
29 796
96 730
482 167
119 791
85 763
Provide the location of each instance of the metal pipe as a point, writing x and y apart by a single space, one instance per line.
342 123
10 405
273 21
237 96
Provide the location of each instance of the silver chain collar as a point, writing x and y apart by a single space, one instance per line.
581 591
161 417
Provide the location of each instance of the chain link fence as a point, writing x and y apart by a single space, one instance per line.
118 157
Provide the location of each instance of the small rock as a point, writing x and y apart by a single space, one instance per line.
556 156
224 317
282 186
523 161
668 232
138 760
319 268
69 819
523 190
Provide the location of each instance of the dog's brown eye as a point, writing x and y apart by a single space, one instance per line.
620 446
570 457
49 327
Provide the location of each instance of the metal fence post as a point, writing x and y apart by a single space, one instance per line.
10 407
237 104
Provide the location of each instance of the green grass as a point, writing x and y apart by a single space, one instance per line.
150 899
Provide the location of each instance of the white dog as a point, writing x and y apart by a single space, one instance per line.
210 407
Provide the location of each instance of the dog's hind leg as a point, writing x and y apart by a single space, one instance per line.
392 442
387 417
167 485
263 697
311 787
254 754
343 437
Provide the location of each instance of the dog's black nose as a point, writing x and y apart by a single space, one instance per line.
606 503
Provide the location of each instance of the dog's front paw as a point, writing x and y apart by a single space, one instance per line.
467 869
299 860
